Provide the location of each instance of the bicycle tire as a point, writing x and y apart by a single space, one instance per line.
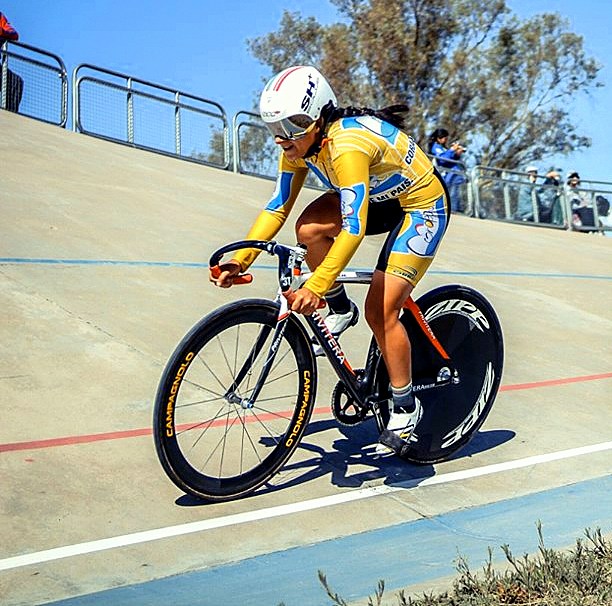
214 448
467 326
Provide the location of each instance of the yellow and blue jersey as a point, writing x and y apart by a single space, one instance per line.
367 161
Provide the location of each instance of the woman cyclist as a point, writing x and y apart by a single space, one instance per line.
379 181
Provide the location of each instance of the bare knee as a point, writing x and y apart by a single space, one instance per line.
307 232
320 220
374 317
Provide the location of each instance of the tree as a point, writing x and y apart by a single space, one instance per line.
503 85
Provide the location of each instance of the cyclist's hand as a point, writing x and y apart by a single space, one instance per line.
304 301
229 271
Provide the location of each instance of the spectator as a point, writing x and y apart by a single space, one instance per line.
579 201
550 207
603 212
448 161
528 196
14 83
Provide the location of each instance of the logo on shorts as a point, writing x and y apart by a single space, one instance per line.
408 273
427 234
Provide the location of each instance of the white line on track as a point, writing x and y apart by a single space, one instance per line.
281 510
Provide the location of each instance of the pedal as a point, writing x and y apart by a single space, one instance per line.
392 441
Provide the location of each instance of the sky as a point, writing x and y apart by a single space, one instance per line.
200 47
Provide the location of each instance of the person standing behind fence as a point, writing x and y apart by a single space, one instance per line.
14 84
527 195
603 212
579 201
550 198
448 160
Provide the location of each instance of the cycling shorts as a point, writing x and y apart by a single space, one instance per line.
414 236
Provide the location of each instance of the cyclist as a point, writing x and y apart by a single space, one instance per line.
379 181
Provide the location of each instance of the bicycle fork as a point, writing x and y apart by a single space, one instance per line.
232 395
289 271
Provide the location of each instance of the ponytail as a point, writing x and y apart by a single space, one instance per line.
393 114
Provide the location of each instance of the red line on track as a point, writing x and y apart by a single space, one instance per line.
68 440
553 382
134 433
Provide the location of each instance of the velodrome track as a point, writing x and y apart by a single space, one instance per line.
102 254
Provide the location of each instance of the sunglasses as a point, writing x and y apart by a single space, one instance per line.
292 128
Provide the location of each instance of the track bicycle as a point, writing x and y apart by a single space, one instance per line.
236 396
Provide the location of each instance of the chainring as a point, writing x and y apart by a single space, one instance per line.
344 408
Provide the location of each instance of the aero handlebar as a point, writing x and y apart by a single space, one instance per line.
289 257
290 260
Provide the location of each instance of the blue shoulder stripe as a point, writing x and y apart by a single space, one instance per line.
281 192
374 125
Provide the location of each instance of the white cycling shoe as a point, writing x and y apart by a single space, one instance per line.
337 324
396 436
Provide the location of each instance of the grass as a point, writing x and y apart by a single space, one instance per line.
581 576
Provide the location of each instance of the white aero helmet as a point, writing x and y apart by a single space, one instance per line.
294 99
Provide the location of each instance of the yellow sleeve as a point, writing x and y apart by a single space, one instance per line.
352 170
289 182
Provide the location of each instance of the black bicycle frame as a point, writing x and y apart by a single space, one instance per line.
359 387
336 356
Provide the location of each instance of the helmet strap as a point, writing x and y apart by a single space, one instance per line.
319 142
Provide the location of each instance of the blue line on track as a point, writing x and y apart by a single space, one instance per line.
19 261
406 554
24 261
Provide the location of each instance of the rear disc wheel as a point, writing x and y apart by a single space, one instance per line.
468 328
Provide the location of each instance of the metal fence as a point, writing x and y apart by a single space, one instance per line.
506 195
255 152
33 82
127 110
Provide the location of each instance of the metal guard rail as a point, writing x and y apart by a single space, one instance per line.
178 104
59 68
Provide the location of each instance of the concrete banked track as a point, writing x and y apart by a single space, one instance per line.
102 270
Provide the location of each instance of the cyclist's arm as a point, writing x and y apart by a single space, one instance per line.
447 158
352 169
289 182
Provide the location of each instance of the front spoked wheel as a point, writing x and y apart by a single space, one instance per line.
222 428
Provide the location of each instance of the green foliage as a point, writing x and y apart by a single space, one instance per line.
580 577
502 85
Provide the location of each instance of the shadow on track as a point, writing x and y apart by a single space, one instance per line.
352 462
